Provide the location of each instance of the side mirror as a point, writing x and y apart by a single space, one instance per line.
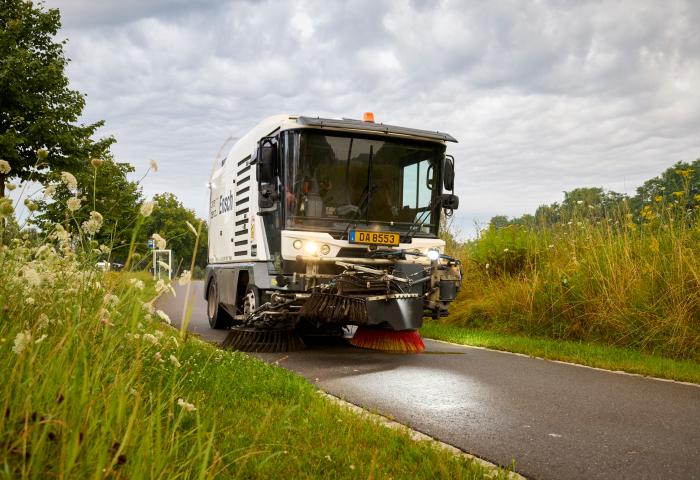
448 173
449 201
267 156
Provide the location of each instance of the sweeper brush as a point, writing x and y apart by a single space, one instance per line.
404 341
262 341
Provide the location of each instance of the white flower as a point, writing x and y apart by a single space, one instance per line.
150 338
506 250
105 249
5 166
138 284
49 191
153 164
29 301
551 245
93 225
579 202
487 266
31 276
73 204
148 307
21 341
185 278
188 407
174 361
164 316
160 241
147 208
40 339
161 287
110 299
70 181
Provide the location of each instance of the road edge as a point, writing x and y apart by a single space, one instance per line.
415 435
619 372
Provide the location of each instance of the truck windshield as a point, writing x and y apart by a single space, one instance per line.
335 180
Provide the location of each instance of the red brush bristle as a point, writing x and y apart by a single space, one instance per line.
406 341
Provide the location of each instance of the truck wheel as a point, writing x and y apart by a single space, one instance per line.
251 301
218 318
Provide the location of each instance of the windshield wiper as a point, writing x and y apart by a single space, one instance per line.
413 229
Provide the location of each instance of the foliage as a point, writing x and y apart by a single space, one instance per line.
103 188
621 279
169 219
38 110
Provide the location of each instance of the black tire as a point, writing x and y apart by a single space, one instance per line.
219 319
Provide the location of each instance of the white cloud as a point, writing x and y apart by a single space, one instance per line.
543 97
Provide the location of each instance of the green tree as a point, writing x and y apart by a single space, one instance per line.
679 183
169 220
37 109
103 188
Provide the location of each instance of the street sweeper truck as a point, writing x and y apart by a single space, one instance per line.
319 224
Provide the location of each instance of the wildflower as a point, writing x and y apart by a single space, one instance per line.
40 339
551 245
148 307
21 341
10 186
6 208
73 204
5 167
164 316
150 338
105 249
328 457
159 357
160 241
29 301
191 227
487 266
678 194
110 299
685 173
70 181
138 284
61 234
579 202
43 321
146 208
177 344
31 276
96 162
185 278
506 250
174 361
658 198
188 407
42 154
93 225
161 287
153 164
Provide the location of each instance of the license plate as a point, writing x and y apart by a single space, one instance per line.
374 238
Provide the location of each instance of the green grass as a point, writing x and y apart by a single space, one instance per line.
103 390
611 358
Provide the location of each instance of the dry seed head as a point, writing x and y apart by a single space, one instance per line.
73 204
153 165
96 162
42 154
147 208
5 167
70 181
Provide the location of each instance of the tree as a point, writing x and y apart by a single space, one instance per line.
103 188
37 109
679 183
169 220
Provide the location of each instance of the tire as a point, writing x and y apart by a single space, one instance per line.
251 300
218 318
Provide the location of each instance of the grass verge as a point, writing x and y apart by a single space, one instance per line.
96 385
611 358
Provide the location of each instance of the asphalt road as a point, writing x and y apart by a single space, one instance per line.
555 421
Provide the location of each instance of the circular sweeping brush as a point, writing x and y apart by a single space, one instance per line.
404 341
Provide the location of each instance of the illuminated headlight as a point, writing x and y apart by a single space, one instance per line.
432 254
297 244
311 248
325 249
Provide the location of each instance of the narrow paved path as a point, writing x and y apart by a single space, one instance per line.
555 421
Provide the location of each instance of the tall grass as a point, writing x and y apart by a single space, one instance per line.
612 279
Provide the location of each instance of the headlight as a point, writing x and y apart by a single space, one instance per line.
311 247
325 249
297 244
432 254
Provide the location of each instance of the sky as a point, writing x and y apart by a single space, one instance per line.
543 96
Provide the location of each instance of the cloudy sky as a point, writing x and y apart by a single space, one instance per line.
542 96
